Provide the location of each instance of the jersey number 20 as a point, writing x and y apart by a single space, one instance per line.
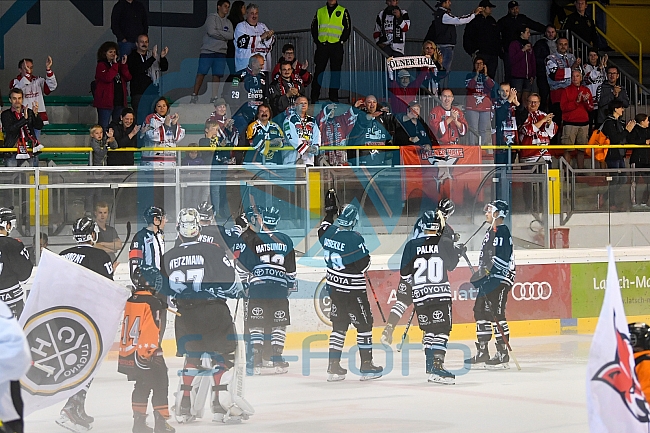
433 268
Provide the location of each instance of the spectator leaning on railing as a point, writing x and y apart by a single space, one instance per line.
35 87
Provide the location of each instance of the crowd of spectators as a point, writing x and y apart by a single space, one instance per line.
267 105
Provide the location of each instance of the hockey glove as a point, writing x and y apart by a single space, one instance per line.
479 275
241 222
456 237
330 203
461 250
387 335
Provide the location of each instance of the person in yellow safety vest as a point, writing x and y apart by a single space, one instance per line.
330 29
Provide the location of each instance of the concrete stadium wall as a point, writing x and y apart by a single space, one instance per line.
60 29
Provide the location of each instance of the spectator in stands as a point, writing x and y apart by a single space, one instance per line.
125 133
330 29
107 237
111 76
35 87
537 130
447 123
334 131
193 194
403 90
443 30
640 157
581 25
412 129
543 48
161 129
505 123
610 91
391 26
19 123
146 68
300 72
226 125
375 126
558 11
218 32
435 74
253 37
236 16
576 103
252 90
217 138
302 133
128 21
192 157
510 28
558 73
482 38
263 134
595 75
521 60
284 91
100 142
617 131
478 106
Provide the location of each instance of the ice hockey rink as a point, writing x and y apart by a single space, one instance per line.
547 395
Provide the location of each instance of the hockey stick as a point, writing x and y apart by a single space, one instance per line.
406 331
376 300
126 240
506 339
474 234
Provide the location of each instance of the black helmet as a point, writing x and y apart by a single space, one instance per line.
7 215
83 229
447 207
271 216
153 212
499 206
639 335
349 216
433 220
206 211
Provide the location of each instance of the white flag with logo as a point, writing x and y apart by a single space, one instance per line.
70 319
615 401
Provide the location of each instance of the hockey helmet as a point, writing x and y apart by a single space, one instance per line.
639 335
153 212
271 216
83 229
433 220
252 212
206 211
7 216
188 223
499 206
349 217
447 207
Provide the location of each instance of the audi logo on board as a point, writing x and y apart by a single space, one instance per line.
532 291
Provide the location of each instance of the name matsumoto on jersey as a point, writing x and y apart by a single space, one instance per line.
346 256
425 263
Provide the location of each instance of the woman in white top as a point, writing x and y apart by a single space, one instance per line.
594 76
161 129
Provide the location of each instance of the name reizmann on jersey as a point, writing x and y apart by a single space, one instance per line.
346 256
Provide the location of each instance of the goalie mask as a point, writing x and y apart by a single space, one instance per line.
188 223
83 229
7 217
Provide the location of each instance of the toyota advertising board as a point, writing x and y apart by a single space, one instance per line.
588 287
540 292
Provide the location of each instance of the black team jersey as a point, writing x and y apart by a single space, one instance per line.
90 258
346 256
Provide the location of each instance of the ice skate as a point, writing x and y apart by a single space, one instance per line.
500 360
370 371
162 426
72 420
481 357
438 374
184 414
335 371
280 365
258 363
140 424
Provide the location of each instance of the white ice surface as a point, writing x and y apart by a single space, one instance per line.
547 395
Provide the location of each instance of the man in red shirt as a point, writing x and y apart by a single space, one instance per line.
576 102
447 123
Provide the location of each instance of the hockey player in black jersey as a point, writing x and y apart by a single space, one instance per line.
270 259
423 271
494 279
200 276
147 249
347 259
403 295
85 232
15 265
